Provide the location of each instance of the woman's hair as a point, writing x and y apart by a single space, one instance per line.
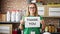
28 12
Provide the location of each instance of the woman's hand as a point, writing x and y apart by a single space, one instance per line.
43 25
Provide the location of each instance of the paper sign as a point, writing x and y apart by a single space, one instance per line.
32 21
54 11
41 11
4 29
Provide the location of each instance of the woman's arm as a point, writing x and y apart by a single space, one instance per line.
43 25
21 25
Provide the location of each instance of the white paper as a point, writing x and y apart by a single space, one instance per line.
41 11
32 21
13 15
18 16
33 1
54 11
4 29
8 16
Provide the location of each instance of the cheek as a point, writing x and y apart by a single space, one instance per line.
29 10
34 10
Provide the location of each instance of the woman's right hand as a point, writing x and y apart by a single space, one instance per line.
21 22
21 25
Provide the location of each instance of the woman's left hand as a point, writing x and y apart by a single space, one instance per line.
43 25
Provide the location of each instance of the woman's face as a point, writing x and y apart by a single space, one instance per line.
32 8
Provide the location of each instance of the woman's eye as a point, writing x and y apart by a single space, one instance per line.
31 7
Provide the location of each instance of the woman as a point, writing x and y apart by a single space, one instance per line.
32 12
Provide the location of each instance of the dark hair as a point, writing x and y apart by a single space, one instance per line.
34 4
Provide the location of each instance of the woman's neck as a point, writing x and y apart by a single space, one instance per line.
32 14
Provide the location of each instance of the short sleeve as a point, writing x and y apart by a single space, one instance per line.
23 17
41 18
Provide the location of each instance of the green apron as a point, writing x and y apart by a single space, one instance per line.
35 29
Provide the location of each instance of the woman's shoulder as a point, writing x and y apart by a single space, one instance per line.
23 17
39 16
